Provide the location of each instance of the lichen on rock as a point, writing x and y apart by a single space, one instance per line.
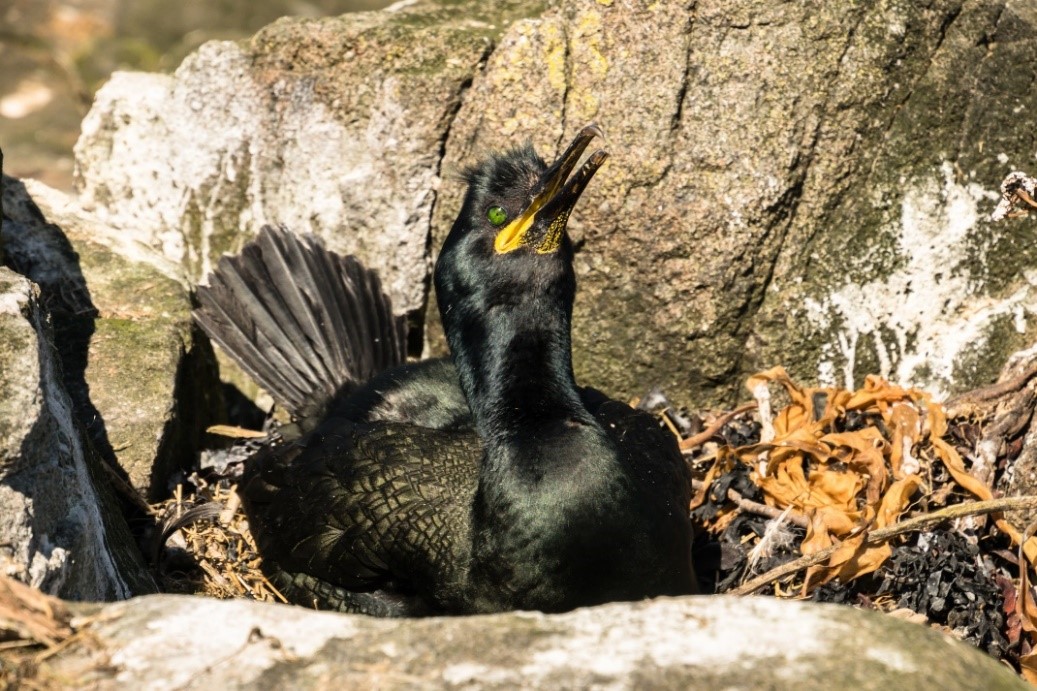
140 376
62 529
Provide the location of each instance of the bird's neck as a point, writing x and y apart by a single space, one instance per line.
518 377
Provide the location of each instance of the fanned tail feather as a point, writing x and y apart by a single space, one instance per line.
302 321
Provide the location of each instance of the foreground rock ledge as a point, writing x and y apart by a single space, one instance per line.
165 642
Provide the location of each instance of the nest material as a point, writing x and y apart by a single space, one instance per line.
881 498
207 548
33 627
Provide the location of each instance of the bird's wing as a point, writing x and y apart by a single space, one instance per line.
304 322
361 505
424 394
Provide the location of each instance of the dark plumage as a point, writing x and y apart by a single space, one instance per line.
303 322
488 483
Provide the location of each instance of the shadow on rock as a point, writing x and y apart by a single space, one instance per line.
40 251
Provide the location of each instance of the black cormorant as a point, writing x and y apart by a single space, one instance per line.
486 483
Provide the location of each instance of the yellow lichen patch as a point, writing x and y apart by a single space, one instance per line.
583 105
590 66
587 45
554 43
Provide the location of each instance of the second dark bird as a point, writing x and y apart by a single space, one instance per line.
483 483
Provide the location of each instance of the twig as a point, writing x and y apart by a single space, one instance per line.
1015 188
975 508
231 507
32 614
669 424
215 575
53 650
1022 194
954 407
273 588
235 432
1006 425
794 517
708 433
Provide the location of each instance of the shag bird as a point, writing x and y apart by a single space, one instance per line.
482 483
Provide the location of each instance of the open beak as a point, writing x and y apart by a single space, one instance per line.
542 223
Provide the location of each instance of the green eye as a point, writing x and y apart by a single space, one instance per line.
497 215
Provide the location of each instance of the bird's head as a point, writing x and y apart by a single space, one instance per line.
510 239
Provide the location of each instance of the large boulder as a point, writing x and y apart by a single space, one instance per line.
140 376
61 529
333 126
689 643
788 184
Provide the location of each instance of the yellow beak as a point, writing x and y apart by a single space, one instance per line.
554 199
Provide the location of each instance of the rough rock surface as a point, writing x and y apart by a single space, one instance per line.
333 126
789 184
60 529
140 376
691 643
